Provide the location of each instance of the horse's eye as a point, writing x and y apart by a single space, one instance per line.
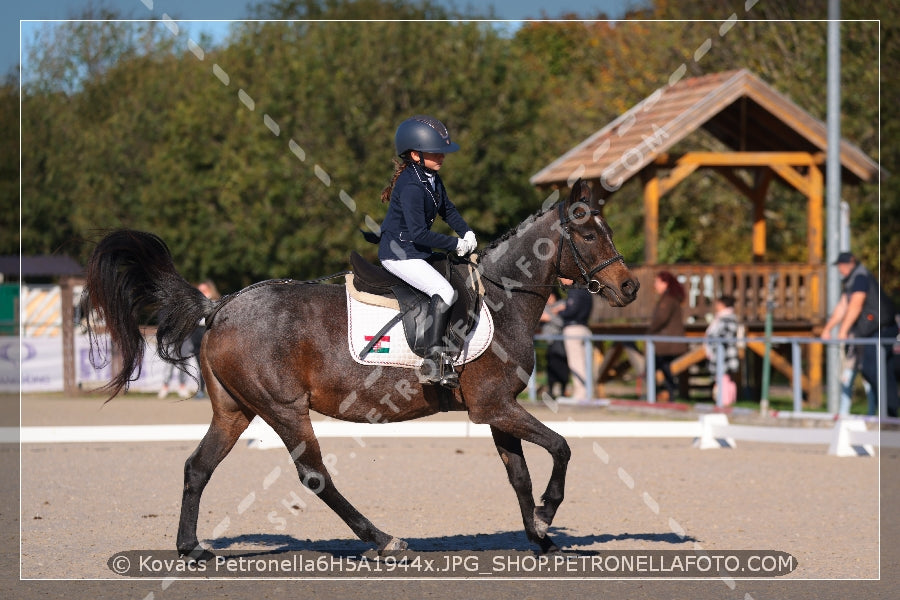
589 237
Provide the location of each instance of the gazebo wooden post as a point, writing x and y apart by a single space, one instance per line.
651 214
816 241
763 177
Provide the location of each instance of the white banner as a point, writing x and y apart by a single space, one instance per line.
37 364
9 363
153 369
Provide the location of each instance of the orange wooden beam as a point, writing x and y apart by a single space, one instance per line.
651 215
815 218
750 159
789 174
676 176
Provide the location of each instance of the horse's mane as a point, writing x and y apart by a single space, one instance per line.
528 221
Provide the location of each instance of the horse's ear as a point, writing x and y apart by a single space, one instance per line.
581 192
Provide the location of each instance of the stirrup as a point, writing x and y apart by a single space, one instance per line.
451 382
429 371
438 370
449 376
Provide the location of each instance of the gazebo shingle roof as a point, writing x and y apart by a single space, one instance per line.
736 107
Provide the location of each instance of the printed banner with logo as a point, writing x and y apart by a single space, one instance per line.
37 363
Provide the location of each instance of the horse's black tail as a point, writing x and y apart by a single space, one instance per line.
131 280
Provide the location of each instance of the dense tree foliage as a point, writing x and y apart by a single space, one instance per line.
265 155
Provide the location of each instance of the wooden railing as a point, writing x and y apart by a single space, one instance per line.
798 295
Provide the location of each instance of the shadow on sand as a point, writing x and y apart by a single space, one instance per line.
514 541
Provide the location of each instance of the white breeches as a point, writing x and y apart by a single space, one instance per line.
422 276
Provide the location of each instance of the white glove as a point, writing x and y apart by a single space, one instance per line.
466 244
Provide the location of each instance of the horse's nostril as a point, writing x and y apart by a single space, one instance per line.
630 288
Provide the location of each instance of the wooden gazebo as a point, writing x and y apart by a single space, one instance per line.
767 137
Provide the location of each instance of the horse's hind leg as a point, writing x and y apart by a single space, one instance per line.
510 449
299 437
227 424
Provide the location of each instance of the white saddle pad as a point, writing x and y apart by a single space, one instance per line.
364 321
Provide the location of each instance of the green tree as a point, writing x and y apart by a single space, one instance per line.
9 171
336 104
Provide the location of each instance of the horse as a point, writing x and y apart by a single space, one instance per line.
278 350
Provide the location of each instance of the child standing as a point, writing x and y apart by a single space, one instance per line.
725 325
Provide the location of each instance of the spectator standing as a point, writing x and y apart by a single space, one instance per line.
575 314
190 348
865 311
557 365
667 320
209 290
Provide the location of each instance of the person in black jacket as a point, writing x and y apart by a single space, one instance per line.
557 362
416 197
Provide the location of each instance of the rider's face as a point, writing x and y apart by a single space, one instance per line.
433 160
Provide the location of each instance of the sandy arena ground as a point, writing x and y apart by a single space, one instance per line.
81 504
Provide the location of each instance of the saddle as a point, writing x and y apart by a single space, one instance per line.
374 280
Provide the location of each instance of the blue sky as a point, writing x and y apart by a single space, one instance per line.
11 12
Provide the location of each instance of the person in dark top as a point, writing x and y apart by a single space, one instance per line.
557 362
667 320
865 311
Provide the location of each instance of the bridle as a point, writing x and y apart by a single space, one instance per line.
592 285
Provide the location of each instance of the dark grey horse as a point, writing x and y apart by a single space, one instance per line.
278 349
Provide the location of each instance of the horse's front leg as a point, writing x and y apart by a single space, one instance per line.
510 449
508 430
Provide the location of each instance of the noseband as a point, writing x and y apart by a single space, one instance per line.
592 285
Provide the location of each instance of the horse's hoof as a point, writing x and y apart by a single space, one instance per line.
547 547
198 554
393 546
552 549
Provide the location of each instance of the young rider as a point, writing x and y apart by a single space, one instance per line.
416 197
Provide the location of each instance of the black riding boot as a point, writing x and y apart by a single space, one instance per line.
438 365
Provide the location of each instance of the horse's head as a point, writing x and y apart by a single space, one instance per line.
586 253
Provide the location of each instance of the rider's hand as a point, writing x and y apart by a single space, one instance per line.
466 244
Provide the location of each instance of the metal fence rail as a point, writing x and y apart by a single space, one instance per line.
795 344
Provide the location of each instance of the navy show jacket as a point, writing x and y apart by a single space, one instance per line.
414 206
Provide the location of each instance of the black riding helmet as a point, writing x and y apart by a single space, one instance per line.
423 134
